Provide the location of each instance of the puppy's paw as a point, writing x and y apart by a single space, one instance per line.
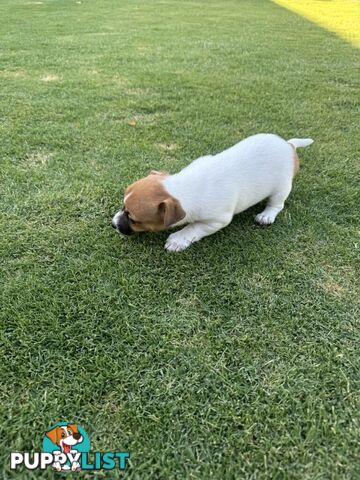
267 216
177 243
56 466
264 219
75 466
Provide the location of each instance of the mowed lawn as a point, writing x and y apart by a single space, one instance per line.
238 358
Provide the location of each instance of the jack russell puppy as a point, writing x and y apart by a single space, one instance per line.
206 194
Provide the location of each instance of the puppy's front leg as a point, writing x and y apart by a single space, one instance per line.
193 233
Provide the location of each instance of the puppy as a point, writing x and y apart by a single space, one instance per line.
65 437
206 194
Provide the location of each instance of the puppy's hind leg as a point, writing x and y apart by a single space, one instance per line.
273 208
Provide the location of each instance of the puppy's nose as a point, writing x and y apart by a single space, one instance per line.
76 435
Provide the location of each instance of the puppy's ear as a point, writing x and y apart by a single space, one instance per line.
53 434
73 427
171 211
156 172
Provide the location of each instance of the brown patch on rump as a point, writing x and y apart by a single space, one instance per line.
150 206
295 160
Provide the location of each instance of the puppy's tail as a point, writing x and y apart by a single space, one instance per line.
300 142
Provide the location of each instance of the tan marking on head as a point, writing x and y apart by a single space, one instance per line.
150 206
295 160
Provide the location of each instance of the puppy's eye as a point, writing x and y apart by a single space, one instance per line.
69 432
63 435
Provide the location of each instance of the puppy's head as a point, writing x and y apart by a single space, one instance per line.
65 436
148 207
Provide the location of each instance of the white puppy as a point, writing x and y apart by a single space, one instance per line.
212 189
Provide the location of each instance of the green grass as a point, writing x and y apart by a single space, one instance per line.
238 358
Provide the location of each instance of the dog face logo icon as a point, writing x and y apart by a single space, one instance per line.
66 441
65 436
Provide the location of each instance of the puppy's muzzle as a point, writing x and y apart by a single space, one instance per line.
122 224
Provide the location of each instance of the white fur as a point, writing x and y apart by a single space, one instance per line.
116 218
212 189
301 142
